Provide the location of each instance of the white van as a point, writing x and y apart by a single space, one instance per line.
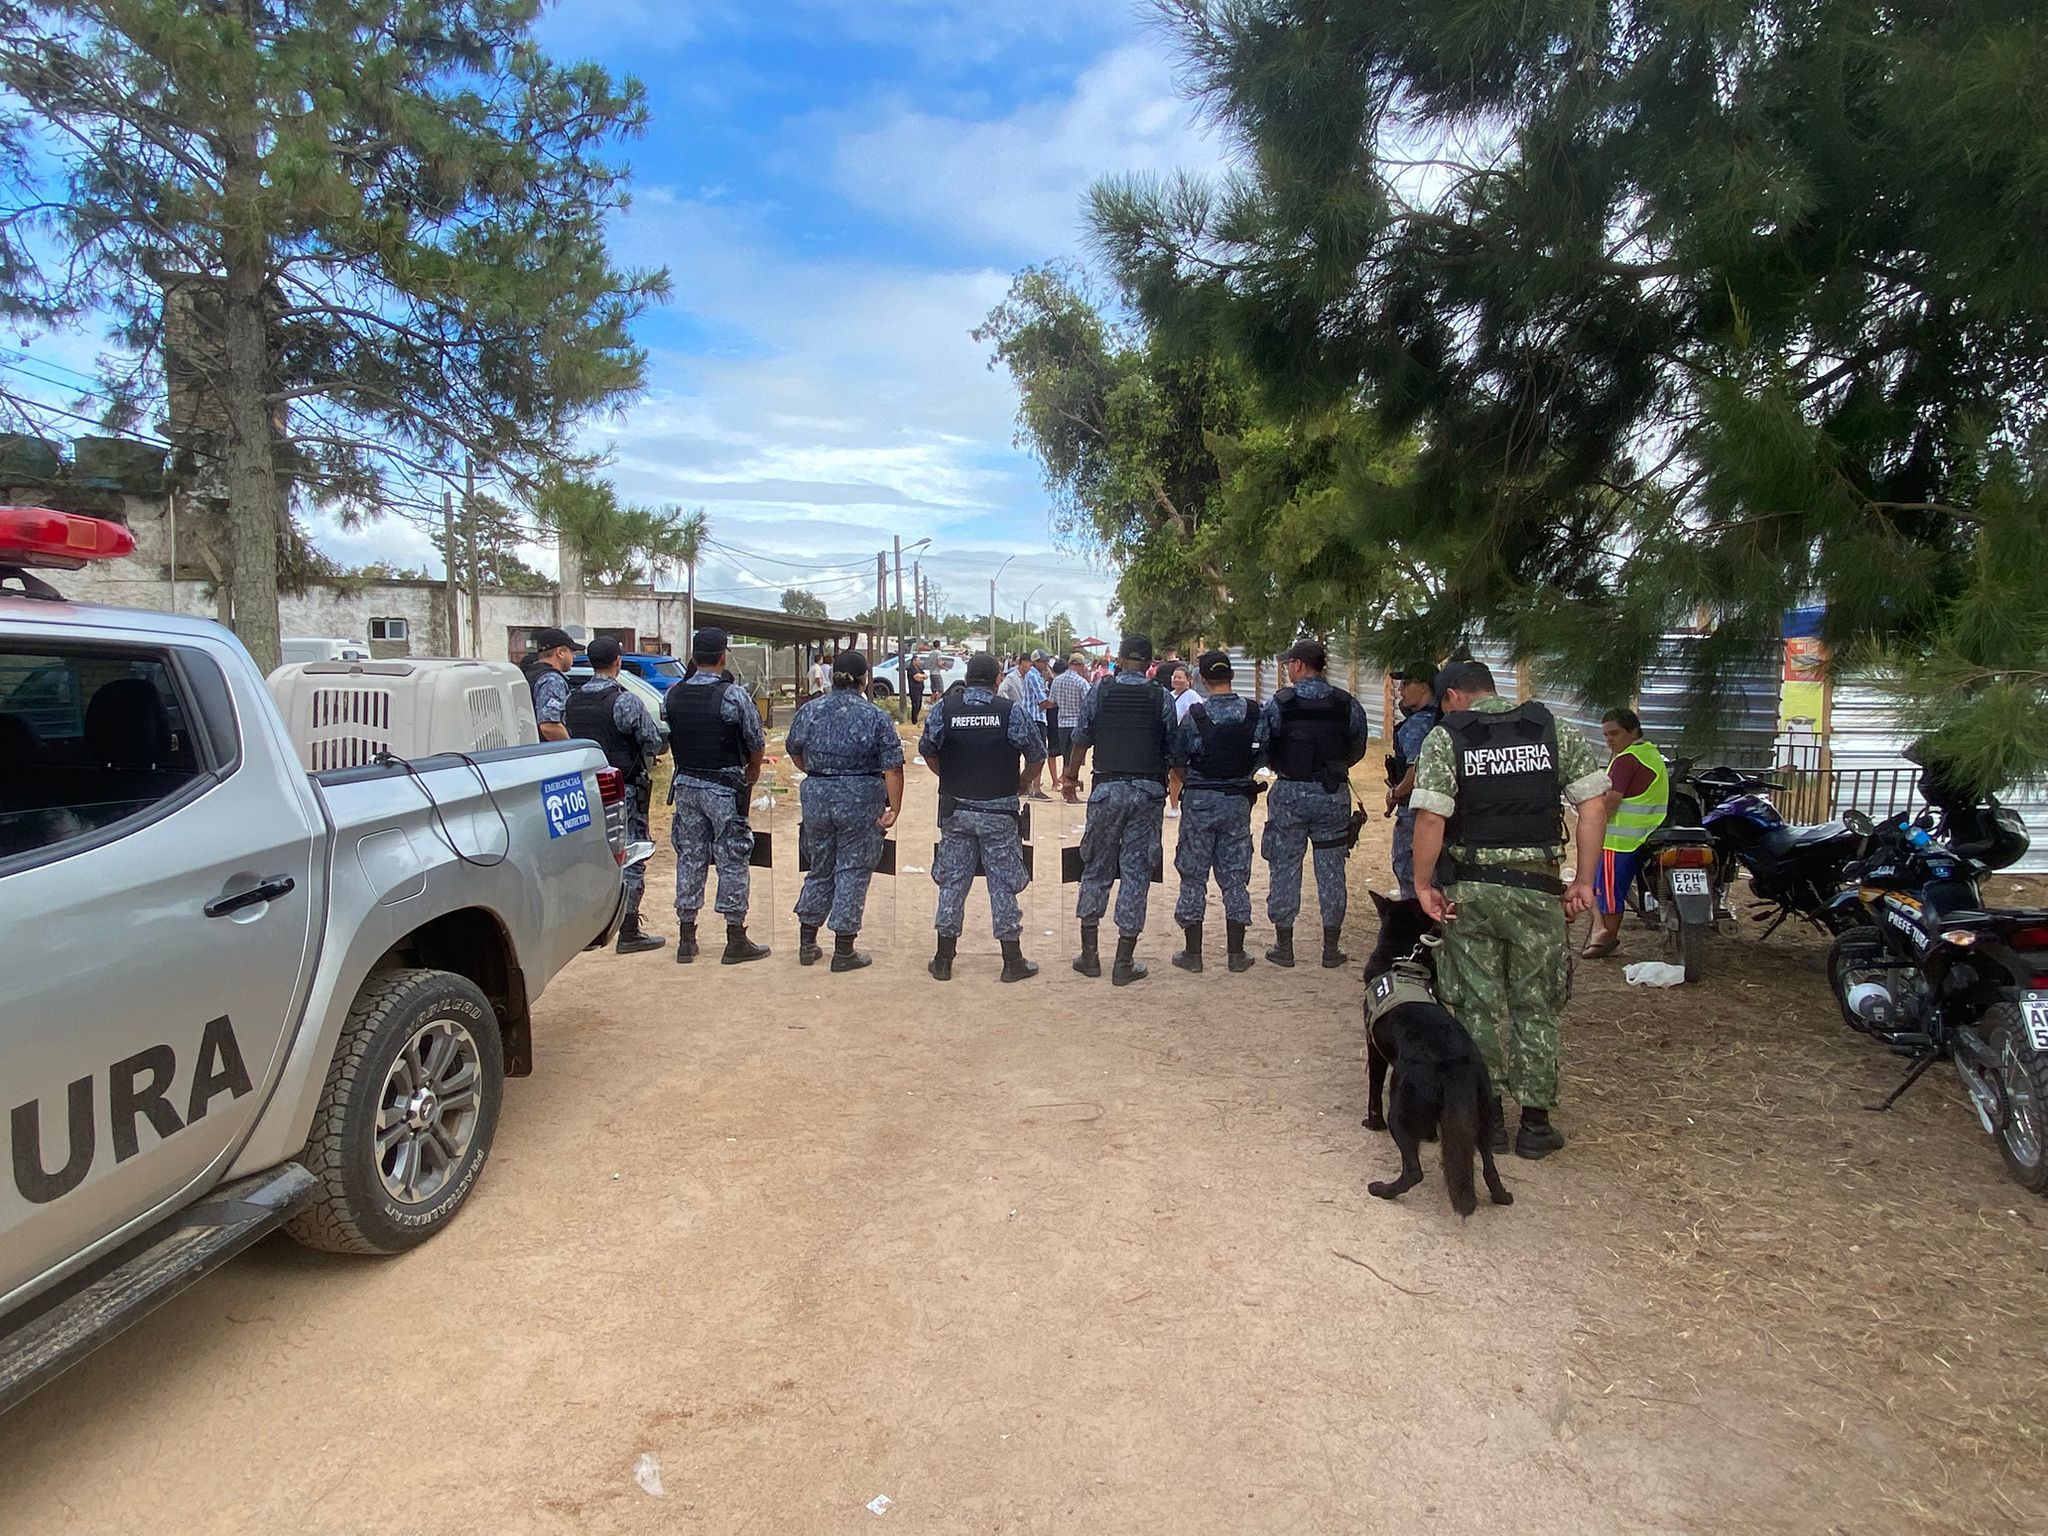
304 649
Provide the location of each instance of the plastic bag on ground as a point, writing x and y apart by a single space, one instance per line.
1654 973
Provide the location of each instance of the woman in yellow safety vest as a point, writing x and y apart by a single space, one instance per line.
1638 795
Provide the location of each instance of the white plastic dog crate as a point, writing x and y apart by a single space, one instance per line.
341 714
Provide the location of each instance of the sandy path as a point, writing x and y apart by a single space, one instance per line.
1053 1257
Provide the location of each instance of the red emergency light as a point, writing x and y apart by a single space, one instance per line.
40 538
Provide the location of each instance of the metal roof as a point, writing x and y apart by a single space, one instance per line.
771 624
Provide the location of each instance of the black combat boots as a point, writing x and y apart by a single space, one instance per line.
1126 968
845 957
1190 957
1089 961
1537 1136
1333 956
807 951
633 939
739 948
1237 958
1497 1124
686 943
1015 966
941 964
1281 951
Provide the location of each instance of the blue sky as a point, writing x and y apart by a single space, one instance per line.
841 191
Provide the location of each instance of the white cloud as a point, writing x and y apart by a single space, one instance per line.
1015 185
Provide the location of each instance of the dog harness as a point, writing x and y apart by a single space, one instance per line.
1407 982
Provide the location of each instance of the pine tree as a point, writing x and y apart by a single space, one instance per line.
1692 309
371 232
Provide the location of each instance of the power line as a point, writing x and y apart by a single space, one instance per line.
801 565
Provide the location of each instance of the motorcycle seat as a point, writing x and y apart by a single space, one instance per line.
1676 835
1783 840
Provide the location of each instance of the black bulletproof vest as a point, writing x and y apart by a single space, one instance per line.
699 735
978 761
1226 748
1314 737
1506 770
1130 733
589 717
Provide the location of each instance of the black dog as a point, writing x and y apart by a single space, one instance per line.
1441 1087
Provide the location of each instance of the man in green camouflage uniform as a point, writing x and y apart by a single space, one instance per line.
1487 788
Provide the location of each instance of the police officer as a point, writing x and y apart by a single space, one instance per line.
602 711
852 793
1314 733
984 745
1130 724
1488 838
1419 716
1221 741
554 654
715 732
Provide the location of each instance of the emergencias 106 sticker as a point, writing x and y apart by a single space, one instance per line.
567 803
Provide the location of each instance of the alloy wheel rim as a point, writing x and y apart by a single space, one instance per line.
427 1114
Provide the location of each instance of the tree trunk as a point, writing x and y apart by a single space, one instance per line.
253 490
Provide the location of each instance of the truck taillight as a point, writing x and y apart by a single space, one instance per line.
611 786
1686 858
63 541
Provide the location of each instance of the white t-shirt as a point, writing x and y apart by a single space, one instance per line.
1184 702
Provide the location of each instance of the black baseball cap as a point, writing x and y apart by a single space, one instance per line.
1214 666
1309 653
850 664
545 640
1418 672
708 644
1135 648
604 651
1468 675
981 668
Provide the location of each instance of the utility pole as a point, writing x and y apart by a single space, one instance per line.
881 602
476 596
902 670
992 622
448 559
917 599
690 613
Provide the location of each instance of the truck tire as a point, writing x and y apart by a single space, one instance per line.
407 1115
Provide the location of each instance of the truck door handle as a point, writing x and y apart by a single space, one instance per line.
267 890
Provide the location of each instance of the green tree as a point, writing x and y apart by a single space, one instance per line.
619 546
807 604
368 233
1688 309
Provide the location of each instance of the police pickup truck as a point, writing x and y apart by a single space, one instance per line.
237 996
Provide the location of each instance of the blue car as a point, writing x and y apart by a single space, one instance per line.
661 671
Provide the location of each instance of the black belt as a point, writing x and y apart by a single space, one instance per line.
1500 874
1247 789
1130 778
851 773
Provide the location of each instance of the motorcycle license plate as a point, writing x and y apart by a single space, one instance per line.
2034 1005
1688 882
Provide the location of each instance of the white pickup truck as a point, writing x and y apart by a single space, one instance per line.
240 996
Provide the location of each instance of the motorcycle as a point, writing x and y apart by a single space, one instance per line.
1677 881
1921 965
1793 871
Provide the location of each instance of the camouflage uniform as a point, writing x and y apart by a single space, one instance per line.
1300 812
550 695
1409 736
1122 838
1215 822
1502 967
847 745
632 719
710 823
982 833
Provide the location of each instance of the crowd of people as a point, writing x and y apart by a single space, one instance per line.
1474 784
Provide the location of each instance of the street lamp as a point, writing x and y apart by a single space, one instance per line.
1027 611
992 607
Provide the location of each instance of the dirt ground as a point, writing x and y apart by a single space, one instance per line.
1054 1257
